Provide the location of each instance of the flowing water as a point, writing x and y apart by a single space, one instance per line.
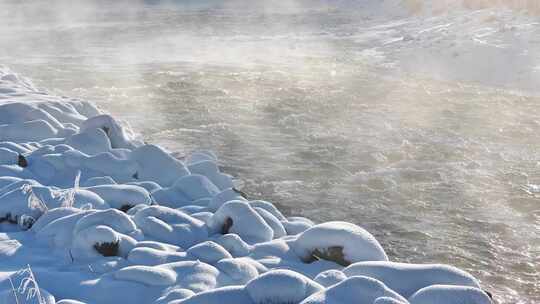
422 129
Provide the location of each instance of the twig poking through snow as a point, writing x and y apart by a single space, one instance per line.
14 290
34 202
69 195
29 285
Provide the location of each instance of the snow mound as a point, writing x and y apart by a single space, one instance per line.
208 252
155 164
238 217
170 226
281 286
239 271
234 244
231 294
151 256
153 276
447 294
406 279
354 290
330 277
340 242
122 197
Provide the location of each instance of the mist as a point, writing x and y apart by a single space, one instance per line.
417 120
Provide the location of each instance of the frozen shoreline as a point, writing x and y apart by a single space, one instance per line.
75 185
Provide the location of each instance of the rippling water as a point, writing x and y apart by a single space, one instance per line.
306 113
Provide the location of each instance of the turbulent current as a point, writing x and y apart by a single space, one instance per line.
421 127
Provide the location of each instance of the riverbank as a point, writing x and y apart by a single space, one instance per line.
101 217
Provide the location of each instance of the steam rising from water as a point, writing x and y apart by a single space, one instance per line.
423 130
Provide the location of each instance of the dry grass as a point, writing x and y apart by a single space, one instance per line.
107 249
28 286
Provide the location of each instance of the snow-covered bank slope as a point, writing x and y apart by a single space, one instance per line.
103 218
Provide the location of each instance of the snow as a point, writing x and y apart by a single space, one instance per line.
330 277
356 243
356 289
292 287
151 256
446 294
104 218
232 294
153 276
239 271
122 195
406 279
155 164
208 252
234 244
243 220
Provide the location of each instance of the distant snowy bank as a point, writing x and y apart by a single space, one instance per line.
89 214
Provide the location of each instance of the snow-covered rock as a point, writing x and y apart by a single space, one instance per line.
229 294
449 294
155 164
406 279
153 276
208 252
356 289
330 277
238 217
341 242
292 286
171 226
